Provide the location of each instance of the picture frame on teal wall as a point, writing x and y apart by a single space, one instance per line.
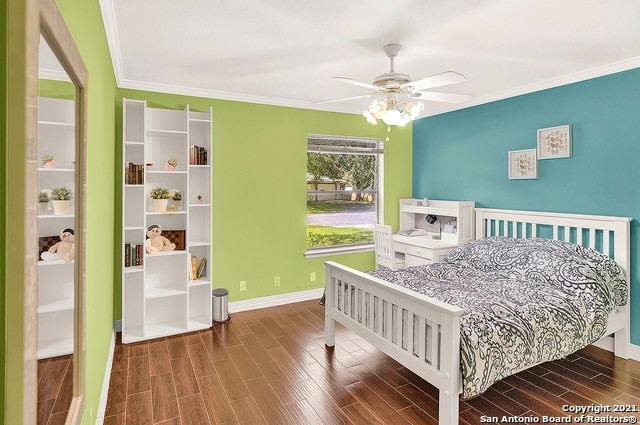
523 164
554 142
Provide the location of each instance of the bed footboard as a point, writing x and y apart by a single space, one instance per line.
421 333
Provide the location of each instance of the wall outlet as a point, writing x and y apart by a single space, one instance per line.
312 277
276 281
243 285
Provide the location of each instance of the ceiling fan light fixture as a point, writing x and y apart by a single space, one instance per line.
393 112
392 117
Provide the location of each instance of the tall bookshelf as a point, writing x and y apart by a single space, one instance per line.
56 137
160 294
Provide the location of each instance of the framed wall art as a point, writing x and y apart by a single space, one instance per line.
523 164
554 142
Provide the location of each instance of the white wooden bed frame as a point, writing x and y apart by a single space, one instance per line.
385 314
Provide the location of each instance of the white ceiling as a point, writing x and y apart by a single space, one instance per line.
285 52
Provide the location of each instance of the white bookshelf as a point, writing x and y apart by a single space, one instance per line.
159 297
56 136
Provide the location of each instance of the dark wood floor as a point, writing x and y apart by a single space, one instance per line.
270 366
55 389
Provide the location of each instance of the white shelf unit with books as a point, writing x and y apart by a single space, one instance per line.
56 137
163 294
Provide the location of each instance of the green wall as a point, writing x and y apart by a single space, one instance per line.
3 178
259 184
463 155
84 19
85 22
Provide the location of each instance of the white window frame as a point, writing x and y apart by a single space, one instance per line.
315 143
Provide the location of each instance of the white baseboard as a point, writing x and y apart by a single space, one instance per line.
606 343
274 300
102 406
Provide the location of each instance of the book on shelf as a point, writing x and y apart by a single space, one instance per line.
133 254
201 268
197 155
194 267
134 173
127 254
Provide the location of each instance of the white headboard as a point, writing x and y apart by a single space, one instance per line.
609 235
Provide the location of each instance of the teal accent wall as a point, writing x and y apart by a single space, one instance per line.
463 155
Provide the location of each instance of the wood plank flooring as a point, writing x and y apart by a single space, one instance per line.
270 366
55 389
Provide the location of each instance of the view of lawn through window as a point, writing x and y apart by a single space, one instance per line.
341 191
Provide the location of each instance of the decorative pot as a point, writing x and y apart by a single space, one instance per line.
60 207
171 167
44 206
50 164
160 205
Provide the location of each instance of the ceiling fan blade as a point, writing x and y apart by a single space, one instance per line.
437 80
357 83
346 98
439 97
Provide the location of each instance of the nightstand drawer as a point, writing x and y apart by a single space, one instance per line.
412 260
420 251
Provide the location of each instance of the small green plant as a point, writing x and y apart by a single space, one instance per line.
61 194
159 193
173 161
47 157
177 196
43 196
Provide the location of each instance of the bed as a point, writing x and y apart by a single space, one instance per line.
423 333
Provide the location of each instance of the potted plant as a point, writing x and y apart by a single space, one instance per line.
176 200
172 163
43 200
48 161
160 196
61 199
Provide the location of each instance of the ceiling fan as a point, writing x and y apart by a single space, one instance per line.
392 85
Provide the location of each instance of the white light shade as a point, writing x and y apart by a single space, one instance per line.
392 117
370 118
404 120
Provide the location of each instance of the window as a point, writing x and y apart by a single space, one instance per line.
343 192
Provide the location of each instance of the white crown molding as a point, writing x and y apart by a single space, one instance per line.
111 29
214 94
275 300
576 77
53 74
584 75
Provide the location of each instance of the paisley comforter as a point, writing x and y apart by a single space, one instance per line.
525 301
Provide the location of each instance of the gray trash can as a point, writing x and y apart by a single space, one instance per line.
220 304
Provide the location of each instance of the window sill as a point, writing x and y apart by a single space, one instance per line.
338 250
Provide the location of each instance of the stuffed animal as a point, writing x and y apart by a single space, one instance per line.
64 250
156 242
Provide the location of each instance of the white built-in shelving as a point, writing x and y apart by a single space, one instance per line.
56 137
159 296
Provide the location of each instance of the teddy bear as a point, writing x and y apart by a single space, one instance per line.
64 250
156 242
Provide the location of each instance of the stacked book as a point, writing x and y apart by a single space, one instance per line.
133 254
197 155
134 173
